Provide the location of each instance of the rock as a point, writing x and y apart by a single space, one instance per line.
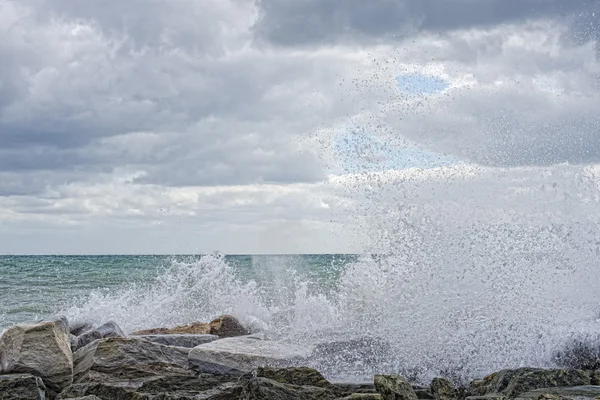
204 387
224 326
489 396
299 376
246 353
512 382
362 396
351 358
227 326
110 330
188 341
580 354
92 397
423 393
394 388
595 377
40 348
79 327
266 389
120 358
587 391
442 389
21 387
84 339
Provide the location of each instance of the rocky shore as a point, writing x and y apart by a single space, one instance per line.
221 360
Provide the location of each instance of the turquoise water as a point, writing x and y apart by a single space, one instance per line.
34 287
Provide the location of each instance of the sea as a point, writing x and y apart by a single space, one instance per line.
460 317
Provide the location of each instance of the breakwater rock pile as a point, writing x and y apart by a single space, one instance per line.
221 360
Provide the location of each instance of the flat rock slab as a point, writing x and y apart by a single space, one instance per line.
586 392
183 340
246 353
119 358
21 387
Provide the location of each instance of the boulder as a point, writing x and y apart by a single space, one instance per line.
188 341
267 389
443 389
299 376
204 387
580 354
394 388
40 348
224 326
512 382
21 387
110 330
119 358
362 396
84 339
580 392
79 327
246 353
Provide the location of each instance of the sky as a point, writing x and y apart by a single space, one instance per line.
288 126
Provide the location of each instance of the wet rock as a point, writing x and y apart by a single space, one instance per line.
489 396
21 387
40 348
394 388
300 376
224 326
582 353
511 382
587 391
246 353
355 357
595 377
204 387
362 396
443 389
84 339
120 358
267 389
92 397
227 326
79 327
188 341
110 330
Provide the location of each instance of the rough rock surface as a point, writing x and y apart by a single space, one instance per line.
206 387
79 327
394 388
224 326
40 348
511 382
84 339
246 353
184 340
267 389
362 396
21 387
120 358
443 389
589 391
300 376
110 330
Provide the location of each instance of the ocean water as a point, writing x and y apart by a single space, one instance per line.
509 297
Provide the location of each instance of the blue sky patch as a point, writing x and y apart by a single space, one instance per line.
417 84
360 152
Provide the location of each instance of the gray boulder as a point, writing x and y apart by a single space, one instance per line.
246 353
84 339
110 330
119 358
79 327
184 340
394 388
21 387
267 389
40 348
581 392
443 389
512 382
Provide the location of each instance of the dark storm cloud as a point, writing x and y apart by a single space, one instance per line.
306 22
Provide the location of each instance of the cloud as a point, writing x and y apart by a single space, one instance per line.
310 22
230 116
